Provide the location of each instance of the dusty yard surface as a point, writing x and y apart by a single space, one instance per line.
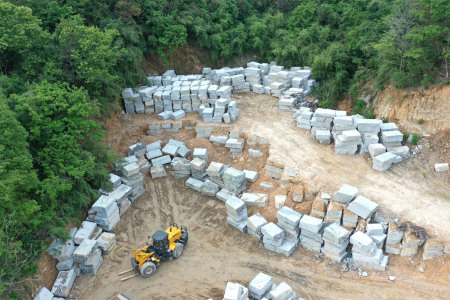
217 253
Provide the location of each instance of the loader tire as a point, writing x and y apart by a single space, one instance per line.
148 269
178 250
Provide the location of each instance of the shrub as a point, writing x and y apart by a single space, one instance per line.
415 139
385 119
421 121
405 135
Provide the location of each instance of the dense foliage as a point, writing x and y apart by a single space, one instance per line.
63 63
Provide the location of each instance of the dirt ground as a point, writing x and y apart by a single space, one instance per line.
217 253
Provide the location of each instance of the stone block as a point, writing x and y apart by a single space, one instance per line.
84 232
170 150
363 207
251 176
161 160
280 200
376 149
158 171
260 285
311 223
63 283
441 167
345 194
252 199
44 294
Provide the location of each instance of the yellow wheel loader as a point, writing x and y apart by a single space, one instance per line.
166 245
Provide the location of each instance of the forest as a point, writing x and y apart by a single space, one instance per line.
63 64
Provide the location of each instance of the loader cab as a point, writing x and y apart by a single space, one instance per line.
160 240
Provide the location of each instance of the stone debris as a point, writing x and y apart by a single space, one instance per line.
252 199
254 225
237 213
63 283
311 233
336 240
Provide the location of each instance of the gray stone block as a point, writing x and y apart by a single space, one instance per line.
170 150
290 216
177 115
155 153
256 222
65 265
84 250
84 232
345 194
311 224
158 171
363 207
63 283
44 294
224 194
251 176
161 160
376 149
252 199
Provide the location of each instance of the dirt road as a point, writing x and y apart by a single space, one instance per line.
217 253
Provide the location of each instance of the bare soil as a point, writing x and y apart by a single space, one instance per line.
217 253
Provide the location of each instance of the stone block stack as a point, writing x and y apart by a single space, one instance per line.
254 225
253 75
215 173
273 237
84 232
239 84
336 240
322 120
383 162
237 213
208 114
181 167
391 139
369 129
198 169
236 145
88 256
201 153
376 233
323 136
349 219
232 112
348 142
341 124
432 249
304 115
289 220
366 253
234 180
277 88
334 213
394 239
106 242
223 195
133 179
260 286
311 233
410 244
287 103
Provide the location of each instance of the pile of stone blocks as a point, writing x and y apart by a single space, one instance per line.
274 240
236 145
238 82
260 286
369 130
366 253
253 75
234 180
341 124
347 143
198 169
235 291
254 199
432 249
336 240
106 212
88 256
237 213
311 233
215 173
181 167
394 239
254 225
363 207
286 103
410 244
289 220
85 231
